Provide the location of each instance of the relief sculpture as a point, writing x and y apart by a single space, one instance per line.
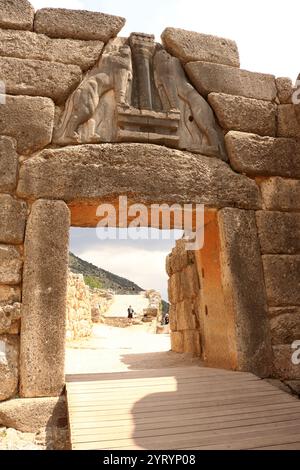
137 92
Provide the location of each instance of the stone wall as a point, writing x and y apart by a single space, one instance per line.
79 309
45 187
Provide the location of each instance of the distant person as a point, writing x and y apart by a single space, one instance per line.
130 312
167 320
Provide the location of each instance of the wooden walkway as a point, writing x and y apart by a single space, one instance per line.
180 408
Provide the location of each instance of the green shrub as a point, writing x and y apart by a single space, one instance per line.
93 282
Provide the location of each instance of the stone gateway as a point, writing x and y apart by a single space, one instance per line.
177 122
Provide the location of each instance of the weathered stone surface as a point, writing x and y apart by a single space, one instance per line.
185 316
190 282
12 219
76 24
9 317
9 366
16 14
31 414
8 164
189 46
237 113
191 342
281 194
27 45
173 318
294 386
10 265
44 300
285 329
146 172
282 278
39 78
279 232
208 78
174 288
288 124
243 286
263 156
277 311
9 295
29 120
177 344
285 89
283 365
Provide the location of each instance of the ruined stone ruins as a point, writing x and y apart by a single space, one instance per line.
87 116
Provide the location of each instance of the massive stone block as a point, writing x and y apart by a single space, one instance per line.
39 78
8 164
191 342
175 288
208 78
285 89
244 114
189 46
279 232
282 278
281 194
29 120
145 172
31 414
16 14
243 282
76 24
10 265
177 343
44 300
288 124
284 367
263 156
285 328
9 366
27 45
12 219
184 315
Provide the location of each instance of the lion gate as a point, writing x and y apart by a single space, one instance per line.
88 117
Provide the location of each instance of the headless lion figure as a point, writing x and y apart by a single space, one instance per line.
114 72
173 86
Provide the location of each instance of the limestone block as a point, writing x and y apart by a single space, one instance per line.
31 414
282 278
9 366
99 171
244 114
10 265
76 24
281 194
263 156
175 291
285 89
9 295
185 315
16 14
189 46
9 318
44 299
243 284
28 45
208 78
279 232
190 282
12 219
285 328
173 318
39 78
283 364
29 120
8 164
288 124
191 342
177 344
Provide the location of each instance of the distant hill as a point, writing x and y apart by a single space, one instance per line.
98 277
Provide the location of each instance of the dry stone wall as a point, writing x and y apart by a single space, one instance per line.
44 187
79 308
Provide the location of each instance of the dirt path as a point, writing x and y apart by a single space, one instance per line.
122 349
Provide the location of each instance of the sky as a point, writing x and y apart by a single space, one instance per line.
266 32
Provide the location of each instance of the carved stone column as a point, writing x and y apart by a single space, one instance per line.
143 47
